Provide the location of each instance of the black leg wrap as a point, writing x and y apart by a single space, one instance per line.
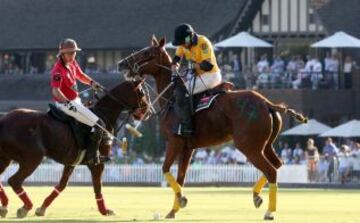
183 109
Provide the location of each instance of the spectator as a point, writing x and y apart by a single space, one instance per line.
316 74
348 66
327 67
298 154
201 156
214 157
286 154
238 157
226 154
312 157
345 164
291 72
323 168
263 64
331 150
277 71
334 71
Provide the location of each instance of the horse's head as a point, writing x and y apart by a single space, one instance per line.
149 60
132 96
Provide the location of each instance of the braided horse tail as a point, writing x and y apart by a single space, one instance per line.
284 109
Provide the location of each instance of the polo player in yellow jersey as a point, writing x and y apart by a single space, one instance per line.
199 52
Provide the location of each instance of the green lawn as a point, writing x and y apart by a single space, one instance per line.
76 204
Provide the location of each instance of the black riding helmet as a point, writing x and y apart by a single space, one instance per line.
181 32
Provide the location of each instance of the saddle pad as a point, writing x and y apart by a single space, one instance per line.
205 102
79 130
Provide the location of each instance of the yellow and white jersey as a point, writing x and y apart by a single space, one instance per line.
200 51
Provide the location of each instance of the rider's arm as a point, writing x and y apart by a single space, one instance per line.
59 95
178 55
81 76
207 52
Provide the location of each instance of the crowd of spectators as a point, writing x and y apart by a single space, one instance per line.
331 164
277 72
293 72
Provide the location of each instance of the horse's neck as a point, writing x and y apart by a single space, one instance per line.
108 109
163 79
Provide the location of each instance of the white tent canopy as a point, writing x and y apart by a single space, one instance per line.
338 40
346 130
243 39
313 127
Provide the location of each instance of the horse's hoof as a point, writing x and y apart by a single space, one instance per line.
171 215
3 211
183 202
268 216
40 211
257 201
22 212
110 213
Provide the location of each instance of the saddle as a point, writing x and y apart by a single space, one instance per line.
79 130
205 99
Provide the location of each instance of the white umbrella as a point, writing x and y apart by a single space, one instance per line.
243 39
346 130
313 127
338 40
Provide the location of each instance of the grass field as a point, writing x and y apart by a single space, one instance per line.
138 204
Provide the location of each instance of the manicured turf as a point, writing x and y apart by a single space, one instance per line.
77 204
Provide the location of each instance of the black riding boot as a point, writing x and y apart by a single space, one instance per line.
92 154
183 110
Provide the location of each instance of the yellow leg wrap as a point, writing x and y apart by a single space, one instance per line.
176 205
272 197
173 184
259 184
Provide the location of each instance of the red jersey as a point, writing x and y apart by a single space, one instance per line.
64 78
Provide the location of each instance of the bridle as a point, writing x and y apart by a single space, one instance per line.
135 61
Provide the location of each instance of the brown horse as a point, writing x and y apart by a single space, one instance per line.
26 136
246 117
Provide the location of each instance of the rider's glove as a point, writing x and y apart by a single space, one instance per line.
96 86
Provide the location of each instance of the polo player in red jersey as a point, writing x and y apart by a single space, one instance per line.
66 96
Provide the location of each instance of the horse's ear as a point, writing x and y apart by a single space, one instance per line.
162 42
154 41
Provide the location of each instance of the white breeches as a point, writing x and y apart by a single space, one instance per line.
78 111
204 82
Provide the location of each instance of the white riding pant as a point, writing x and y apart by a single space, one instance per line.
78 111
203 82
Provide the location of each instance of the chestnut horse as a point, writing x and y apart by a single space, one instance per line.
26 136
245 116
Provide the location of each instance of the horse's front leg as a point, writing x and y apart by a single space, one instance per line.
67 171
180 200
170 157
96 173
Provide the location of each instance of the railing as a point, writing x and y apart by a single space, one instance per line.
151 174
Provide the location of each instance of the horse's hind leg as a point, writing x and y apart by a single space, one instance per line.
4 163
67 171
270 155
26 168
180 201
270 172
